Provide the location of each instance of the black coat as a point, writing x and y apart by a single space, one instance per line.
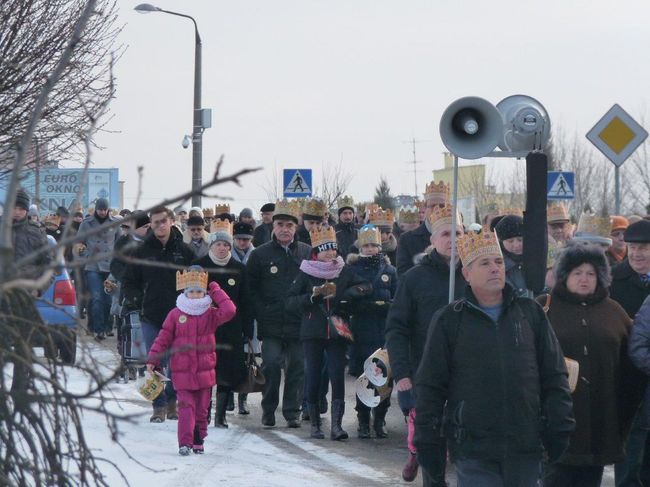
411 244
346 235
152 289
627 289
27 237
302 235
262 234
504 384
231 336
125 246
421 292
270 271
313 318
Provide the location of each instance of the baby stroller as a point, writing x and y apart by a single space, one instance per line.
131 347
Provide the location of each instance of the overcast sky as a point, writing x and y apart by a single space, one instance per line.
303 83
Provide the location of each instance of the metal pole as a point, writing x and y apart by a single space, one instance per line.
617 190
197 130
452 260
37 174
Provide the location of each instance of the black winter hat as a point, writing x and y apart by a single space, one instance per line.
22 199
140 218
62 211
267 207
101 204
242 230
638 232
345 208
509 226
195 221
575 254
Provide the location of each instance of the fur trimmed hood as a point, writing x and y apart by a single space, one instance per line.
352 259
577 254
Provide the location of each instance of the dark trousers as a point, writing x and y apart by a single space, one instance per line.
282 354
634 471
573 476
511 472
324 385
314 351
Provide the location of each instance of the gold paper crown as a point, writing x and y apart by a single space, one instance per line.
221 209
592 224
419 204
369 234
191 278
345 202
473 245
513 211
219 225
287 208
409 214
381 218
52 219
438 193
208 213
442 215
557 212
314 207
322 236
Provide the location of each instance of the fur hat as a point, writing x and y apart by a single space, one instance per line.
576 254
510 226
242 230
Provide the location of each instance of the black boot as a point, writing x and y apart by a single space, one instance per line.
379 422
363 416
241 404
220 413
338 408
231 402
316 432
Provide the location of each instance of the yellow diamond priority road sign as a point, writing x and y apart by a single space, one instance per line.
617 135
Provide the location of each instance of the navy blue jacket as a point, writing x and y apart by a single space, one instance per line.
639 349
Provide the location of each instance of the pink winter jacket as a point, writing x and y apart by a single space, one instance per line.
192 342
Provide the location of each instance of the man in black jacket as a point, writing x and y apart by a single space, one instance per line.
422 291
493 361
271 269
415 241
630 287
346 233
151 289
263 231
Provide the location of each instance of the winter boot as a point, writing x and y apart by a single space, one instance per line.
379 421
197 447
172 412
184 450
220 413
410 470
231 402
363 417
241 404
158 415
316 432
338 408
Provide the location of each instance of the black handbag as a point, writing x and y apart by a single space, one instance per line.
255 380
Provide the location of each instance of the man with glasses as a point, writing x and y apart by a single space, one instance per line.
196 237
151 289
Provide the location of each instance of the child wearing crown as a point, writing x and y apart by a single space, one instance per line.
189 334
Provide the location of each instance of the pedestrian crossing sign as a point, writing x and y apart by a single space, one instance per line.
561 185
297 183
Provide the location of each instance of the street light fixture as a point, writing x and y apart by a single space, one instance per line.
200 119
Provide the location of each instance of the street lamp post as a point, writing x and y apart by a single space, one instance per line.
197 119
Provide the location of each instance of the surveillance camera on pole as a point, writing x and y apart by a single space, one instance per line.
186 141
519 125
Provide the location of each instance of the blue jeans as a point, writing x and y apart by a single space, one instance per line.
150 332
512 472
100 302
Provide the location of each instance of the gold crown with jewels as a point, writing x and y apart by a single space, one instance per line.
208 213
287 208
438 193
593 224
322 236
314 207
408 214
473 245
442 215
221 209
381 218
191 278
368 234
219 225
345 202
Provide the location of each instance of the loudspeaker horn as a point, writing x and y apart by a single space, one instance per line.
527 125
471 127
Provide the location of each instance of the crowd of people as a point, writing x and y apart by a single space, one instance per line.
514 386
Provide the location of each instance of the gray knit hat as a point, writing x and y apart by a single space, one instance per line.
221 236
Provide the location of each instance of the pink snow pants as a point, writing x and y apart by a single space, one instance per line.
192 410
410 423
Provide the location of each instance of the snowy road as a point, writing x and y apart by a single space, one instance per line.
246 454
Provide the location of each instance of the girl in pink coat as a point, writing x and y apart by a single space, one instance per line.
188 333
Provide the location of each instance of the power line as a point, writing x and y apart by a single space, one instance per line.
415 161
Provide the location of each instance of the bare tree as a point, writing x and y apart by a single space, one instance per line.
272 187
335 181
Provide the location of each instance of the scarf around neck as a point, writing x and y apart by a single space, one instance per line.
323 270
217 260
193 307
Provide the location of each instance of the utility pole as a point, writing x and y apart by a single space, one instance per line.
415 161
